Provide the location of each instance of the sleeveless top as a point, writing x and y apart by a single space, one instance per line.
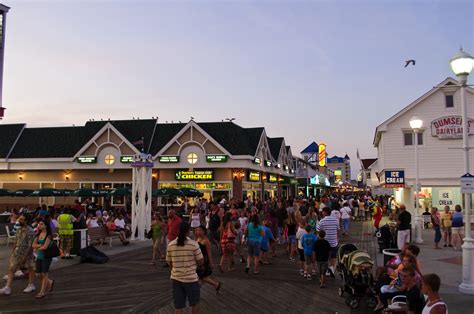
195 220
427 309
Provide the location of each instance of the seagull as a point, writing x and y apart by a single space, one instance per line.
192 118
408 62
230 119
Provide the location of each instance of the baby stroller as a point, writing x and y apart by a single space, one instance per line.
355 268
387 237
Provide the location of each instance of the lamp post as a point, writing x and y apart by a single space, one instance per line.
416 124
462 64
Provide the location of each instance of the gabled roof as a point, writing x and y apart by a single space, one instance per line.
335 159
382 127
312 148
8 135
275 144
347 157
366 163
163 134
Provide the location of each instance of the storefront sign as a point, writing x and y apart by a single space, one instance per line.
278 166
268 163
195 175
216 158
285 167
338 175
126 159
450 127
445 197
87 160
394 178
257 161
169 159
272 178
254 176
322 155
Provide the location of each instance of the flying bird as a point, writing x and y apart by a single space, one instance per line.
230 119
408 63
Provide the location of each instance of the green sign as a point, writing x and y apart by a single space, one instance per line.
285 167
278 166
272 178
87 160
257 161
216 158
254 176
268 163
126 159
169 159
194 175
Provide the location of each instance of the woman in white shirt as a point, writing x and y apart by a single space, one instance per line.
346 217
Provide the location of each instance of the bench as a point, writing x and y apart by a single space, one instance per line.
101 234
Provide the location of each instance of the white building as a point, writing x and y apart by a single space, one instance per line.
440 156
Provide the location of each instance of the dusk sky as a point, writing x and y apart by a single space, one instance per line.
305 70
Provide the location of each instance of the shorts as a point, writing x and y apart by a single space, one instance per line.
182 291
301 252
333 252
42 265
292 239
308 259
323 267
457 230
65 241
447 229
253 248
16 263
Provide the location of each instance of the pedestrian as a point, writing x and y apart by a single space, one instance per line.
184 256
195 218
322 249
21 256
308 241
66 233
254 234
291 230
346 218
174 223
205 270
435 221
430 287
41 243
157 234
228 247
377 214
403 227
214 224
267 239
446 224
330 225
457 227
299 234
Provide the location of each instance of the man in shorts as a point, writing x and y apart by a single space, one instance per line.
21 257
330 225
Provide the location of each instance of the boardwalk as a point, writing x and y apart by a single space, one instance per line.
127 284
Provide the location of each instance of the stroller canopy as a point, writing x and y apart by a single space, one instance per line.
345 249
358 259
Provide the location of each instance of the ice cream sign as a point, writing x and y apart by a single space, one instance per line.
449 127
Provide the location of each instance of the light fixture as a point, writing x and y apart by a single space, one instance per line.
462 63
66 177
20 176
416 123
154 176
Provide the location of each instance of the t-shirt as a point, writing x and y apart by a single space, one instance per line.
415 300
336 214
457 220
446 220
304 210
173 227
215 222
120 223
308 240
254 234
299 234
243 222
345 213
330 225
184 260
405 220
322 249
268 235
291 229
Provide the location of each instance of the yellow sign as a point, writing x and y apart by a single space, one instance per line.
197 175
254 176
322 155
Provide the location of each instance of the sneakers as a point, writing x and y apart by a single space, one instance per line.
292 259
29 288
5 291
305 275
313 273
308 277
301 272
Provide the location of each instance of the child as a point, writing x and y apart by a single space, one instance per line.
265 243
322 249
238 240
299 234
308 241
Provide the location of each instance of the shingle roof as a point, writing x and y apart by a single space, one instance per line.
312 148
8 135
275 146
366 163
335 159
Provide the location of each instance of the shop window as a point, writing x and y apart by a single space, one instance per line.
192 158
109 159
449 100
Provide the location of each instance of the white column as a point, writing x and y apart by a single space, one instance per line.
467 285
141 196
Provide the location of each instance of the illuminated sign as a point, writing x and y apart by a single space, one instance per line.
450 127
322 155
257 161
169 159
338 175
194 175
278 166
292 170
272 178
314 180
285 167
216 158
394 178
126 159
254 176
268 163
87 160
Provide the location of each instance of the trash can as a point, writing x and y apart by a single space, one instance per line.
79 242
388 254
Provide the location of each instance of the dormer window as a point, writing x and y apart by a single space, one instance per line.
449 101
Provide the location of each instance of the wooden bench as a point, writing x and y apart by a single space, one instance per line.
101 234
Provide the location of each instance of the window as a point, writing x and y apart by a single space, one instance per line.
449 101
409 138
109 159
192 158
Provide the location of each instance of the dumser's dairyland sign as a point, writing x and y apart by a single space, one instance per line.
449 127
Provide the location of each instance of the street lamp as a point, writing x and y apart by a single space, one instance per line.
462 64
416 124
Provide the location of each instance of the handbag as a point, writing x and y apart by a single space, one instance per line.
52 251
149 234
